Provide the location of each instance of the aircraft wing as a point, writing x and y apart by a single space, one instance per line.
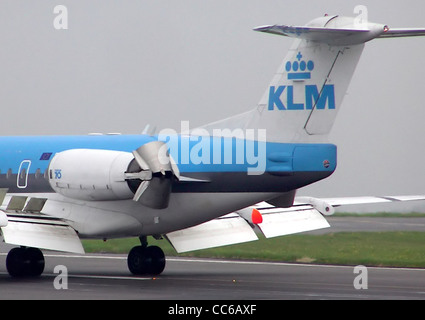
241 226
341 201
22 223
307 214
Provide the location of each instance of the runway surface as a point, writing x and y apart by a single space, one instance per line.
106 277
99 276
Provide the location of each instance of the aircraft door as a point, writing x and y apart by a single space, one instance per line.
22 179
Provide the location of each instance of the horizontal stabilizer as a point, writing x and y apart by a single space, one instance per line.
331 36
335 34
227 230
40 231
406 32
308 33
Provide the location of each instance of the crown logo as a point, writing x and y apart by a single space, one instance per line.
299 69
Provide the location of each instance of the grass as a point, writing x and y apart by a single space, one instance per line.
393 249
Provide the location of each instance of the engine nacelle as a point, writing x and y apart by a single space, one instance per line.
88 174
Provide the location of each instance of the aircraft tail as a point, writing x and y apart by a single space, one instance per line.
304 97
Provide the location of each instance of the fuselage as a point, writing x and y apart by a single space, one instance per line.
219 175
275 167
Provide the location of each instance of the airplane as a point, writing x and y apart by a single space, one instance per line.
215 185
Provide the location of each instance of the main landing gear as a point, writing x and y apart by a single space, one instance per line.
144 260
25 262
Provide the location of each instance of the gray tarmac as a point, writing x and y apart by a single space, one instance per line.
101 276
106 277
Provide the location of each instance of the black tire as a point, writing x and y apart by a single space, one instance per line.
15 262
146 260
35 266
155 259
136 261
23 262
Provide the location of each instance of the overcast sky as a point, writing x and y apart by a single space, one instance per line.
123 64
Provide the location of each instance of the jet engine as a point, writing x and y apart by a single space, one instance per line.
151 174
146 175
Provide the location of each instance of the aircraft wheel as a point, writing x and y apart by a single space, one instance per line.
36 263
146 260
21 262
155 260
15 262
136 260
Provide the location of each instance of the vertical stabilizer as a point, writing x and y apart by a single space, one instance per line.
305 94
302 100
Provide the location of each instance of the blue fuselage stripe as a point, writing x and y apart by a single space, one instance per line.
202 154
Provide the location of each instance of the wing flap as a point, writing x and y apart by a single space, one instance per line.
227 230
41 231
51 237
239 227
279 222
